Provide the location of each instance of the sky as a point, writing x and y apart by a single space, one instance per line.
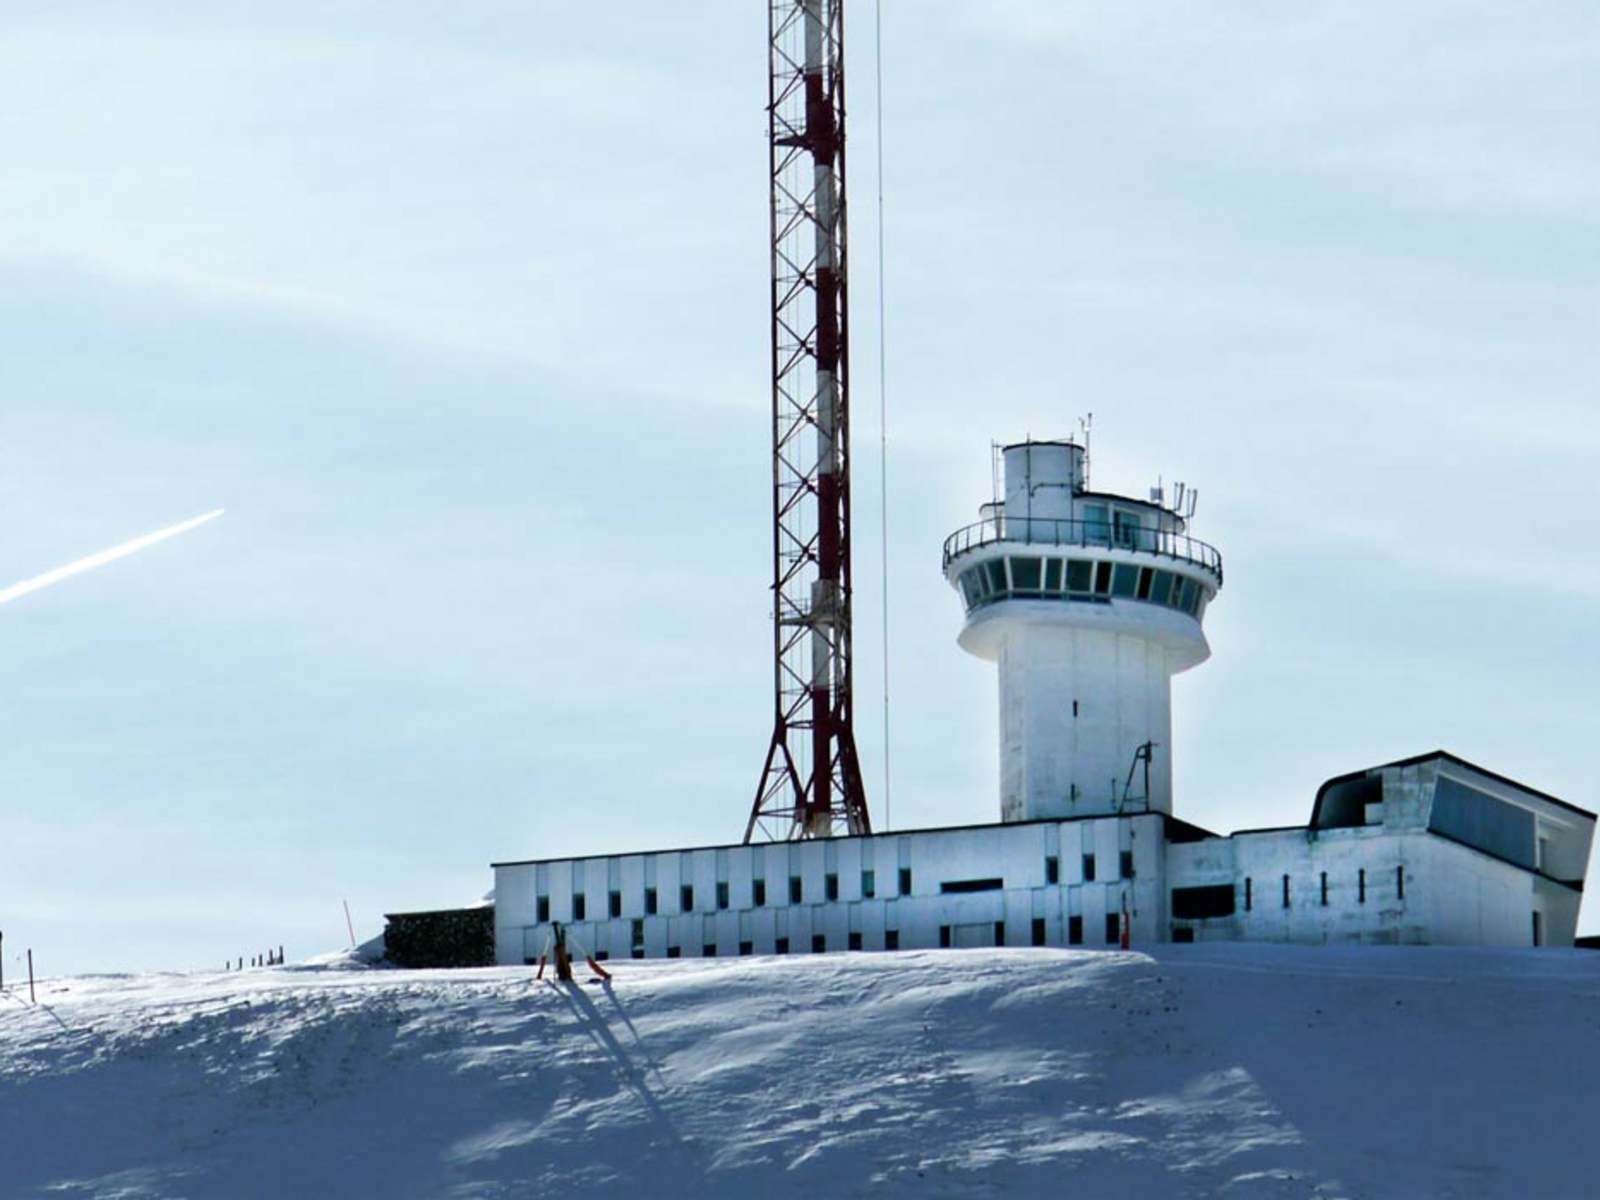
461 313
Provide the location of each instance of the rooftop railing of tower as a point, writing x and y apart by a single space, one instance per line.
1038 531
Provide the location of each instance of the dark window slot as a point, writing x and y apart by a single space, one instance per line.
971 885
1202 902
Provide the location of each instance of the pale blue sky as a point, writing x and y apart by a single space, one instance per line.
461 313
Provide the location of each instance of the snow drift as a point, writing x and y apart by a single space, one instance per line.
1247 1071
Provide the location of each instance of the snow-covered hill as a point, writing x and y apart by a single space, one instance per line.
1243 1071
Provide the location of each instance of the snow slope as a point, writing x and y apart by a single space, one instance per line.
1240 1071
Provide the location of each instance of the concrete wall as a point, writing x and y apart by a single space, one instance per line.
1452 895
1075 705
1016 854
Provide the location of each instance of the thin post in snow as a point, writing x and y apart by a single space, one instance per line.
32 999
349 925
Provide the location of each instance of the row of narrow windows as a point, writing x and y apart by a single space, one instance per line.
1077 579
1322 888
1052 867
686 895
819 944
830 889
891 938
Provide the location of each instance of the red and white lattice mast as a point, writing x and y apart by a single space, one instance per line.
811 782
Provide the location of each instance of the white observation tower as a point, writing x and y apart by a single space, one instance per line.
1089 603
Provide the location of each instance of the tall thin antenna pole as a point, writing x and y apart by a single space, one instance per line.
883 410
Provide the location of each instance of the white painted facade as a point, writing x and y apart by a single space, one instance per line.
1015 885
1088 604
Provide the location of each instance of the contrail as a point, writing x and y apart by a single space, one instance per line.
103 557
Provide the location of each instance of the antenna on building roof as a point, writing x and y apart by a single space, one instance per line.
1086 428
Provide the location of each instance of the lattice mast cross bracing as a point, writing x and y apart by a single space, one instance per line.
811 781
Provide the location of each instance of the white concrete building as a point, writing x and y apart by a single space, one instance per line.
1088 603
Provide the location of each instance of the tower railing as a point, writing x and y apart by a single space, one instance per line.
1039 531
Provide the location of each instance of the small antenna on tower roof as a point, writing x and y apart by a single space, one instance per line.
1086 428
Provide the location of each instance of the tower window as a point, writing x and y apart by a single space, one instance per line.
673 952
1146 575
579 905
1052 574
1400 882
1324 889
1080 575
830 885
971 588
1361 886
1126 528
722 895
944 937
1088 868
905 881
891 939
855 941
1113 928
1038 934
1096 523
781 946
1025 574
796 889
1074 931
686 897
995 569
541 908
1286 891
1249 899
709 950
649 902
614 904
999 933
1125 864
869 884
1124 580
1052 869
758 892
1102 579
746 948
637 934
1161 587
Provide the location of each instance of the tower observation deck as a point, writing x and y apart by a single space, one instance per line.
1088 603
